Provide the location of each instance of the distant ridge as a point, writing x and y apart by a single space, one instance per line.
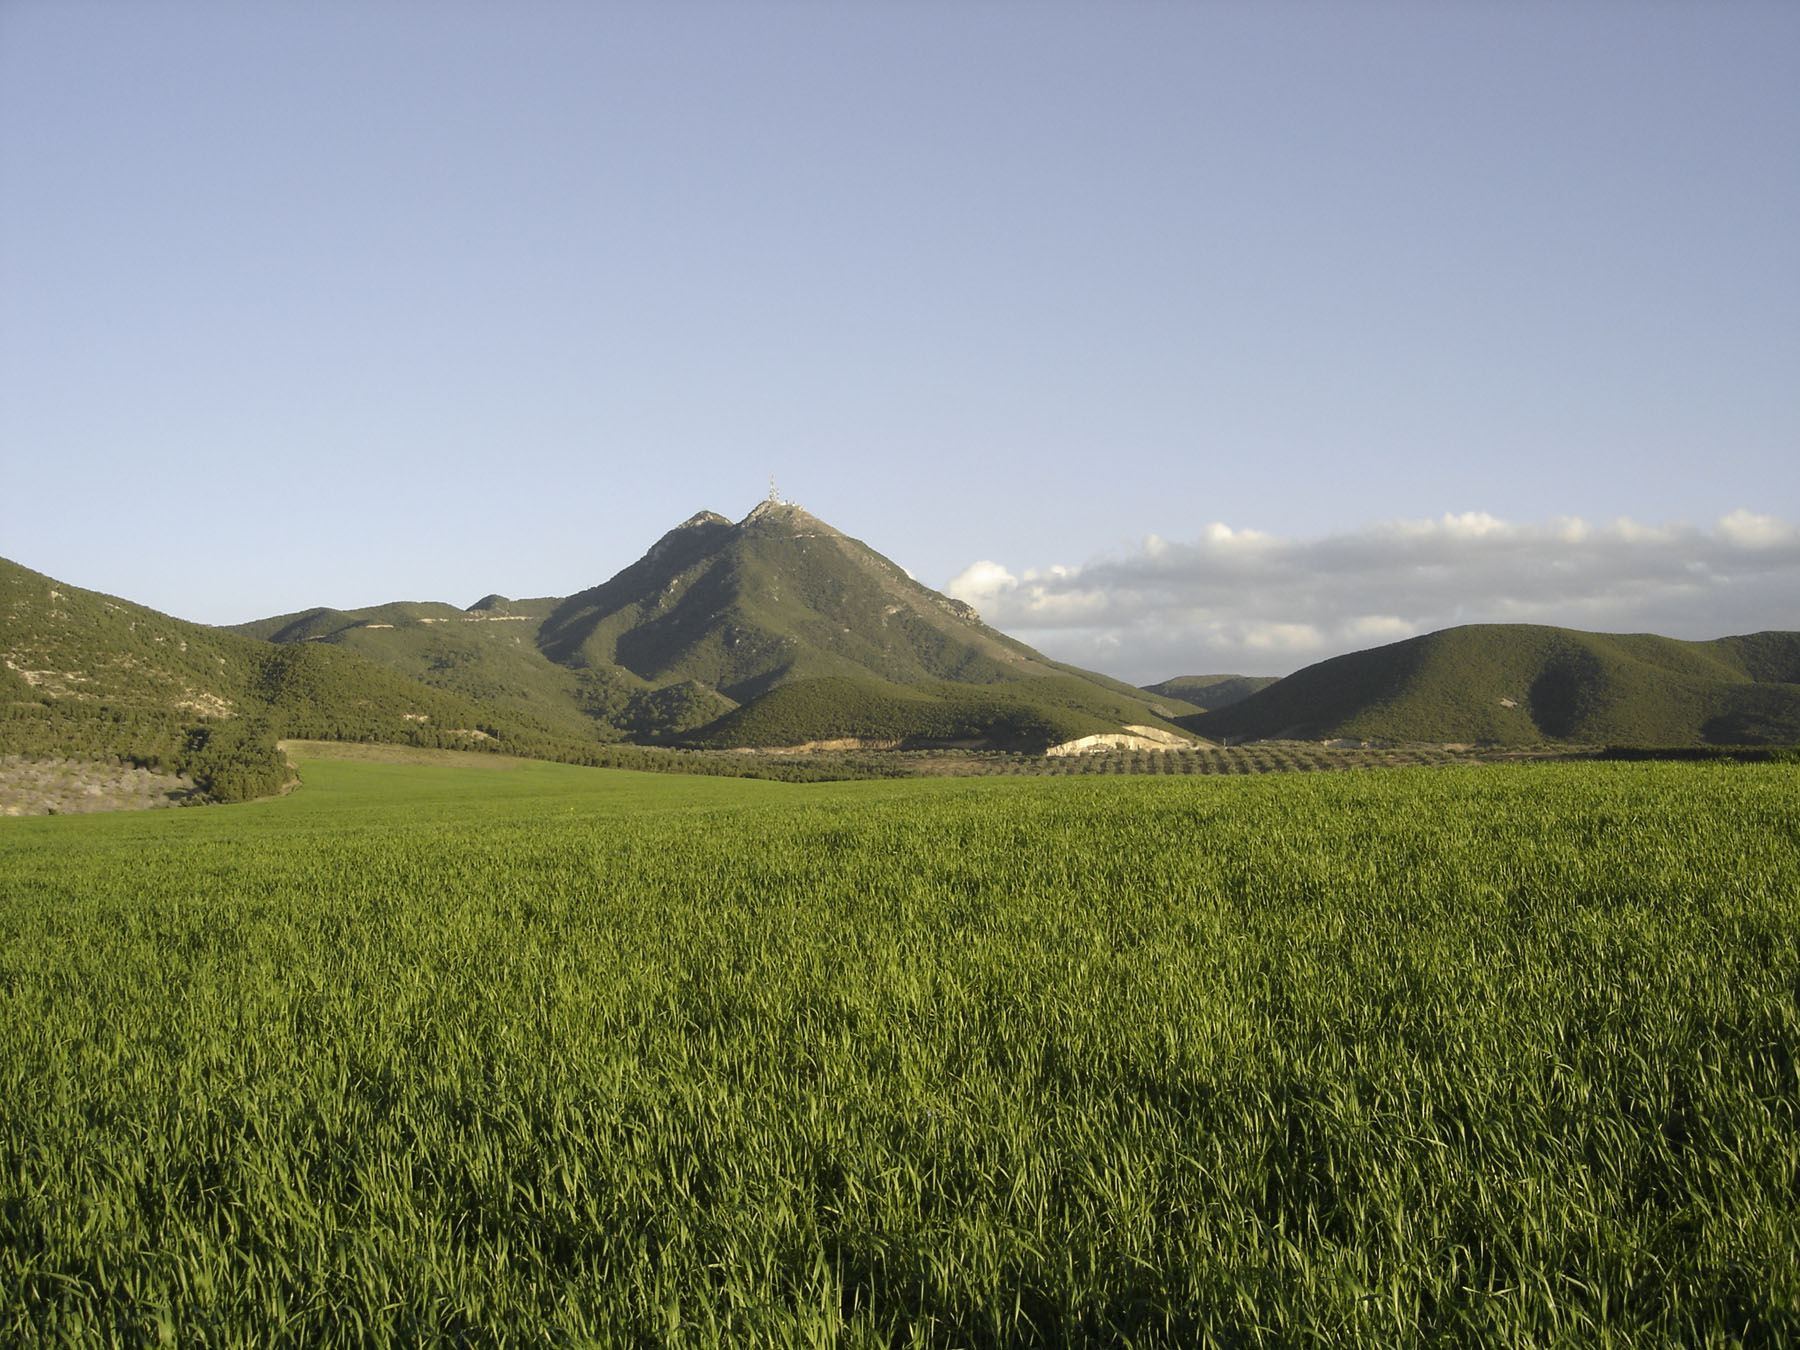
1211 692
1523 684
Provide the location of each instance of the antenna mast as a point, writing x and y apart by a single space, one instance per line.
774 498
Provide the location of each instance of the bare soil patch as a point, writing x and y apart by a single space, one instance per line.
57 787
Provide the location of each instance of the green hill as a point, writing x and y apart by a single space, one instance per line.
1521 684
487 653
717 616
89 674
1211 692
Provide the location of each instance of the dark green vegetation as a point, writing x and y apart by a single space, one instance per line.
1519 684
1211 692
88 675
485 654
685 646
539 1056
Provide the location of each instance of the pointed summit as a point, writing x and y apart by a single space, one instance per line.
779 514
696 532
780 596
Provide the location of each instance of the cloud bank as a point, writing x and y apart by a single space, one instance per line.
1253 603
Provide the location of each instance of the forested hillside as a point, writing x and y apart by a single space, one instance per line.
1522 684
87 674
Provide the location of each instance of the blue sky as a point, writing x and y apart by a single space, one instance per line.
337 303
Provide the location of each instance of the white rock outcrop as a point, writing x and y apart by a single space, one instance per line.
1131 738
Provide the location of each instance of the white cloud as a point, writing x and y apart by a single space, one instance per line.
1050 595
1630 530
1243 600
1282 637
980 582
1754 531
1474 525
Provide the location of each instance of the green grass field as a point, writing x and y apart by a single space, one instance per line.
526 1054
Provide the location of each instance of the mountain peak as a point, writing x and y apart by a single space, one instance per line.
773 513
691 534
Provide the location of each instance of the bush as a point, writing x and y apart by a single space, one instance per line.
236 761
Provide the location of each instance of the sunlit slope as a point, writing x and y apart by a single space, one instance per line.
85 672
1518 684
487 653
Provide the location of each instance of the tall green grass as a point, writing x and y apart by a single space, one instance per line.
544 1055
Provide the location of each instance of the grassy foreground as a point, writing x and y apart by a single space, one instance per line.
541 1055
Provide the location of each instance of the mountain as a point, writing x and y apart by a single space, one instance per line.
1211 692
682 645
1522 684
778 597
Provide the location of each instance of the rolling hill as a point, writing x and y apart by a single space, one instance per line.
1523 684
88 674
680 646
1211 692
487 653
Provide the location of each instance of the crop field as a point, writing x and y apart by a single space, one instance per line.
538 1055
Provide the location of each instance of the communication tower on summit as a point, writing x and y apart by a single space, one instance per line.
774 497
